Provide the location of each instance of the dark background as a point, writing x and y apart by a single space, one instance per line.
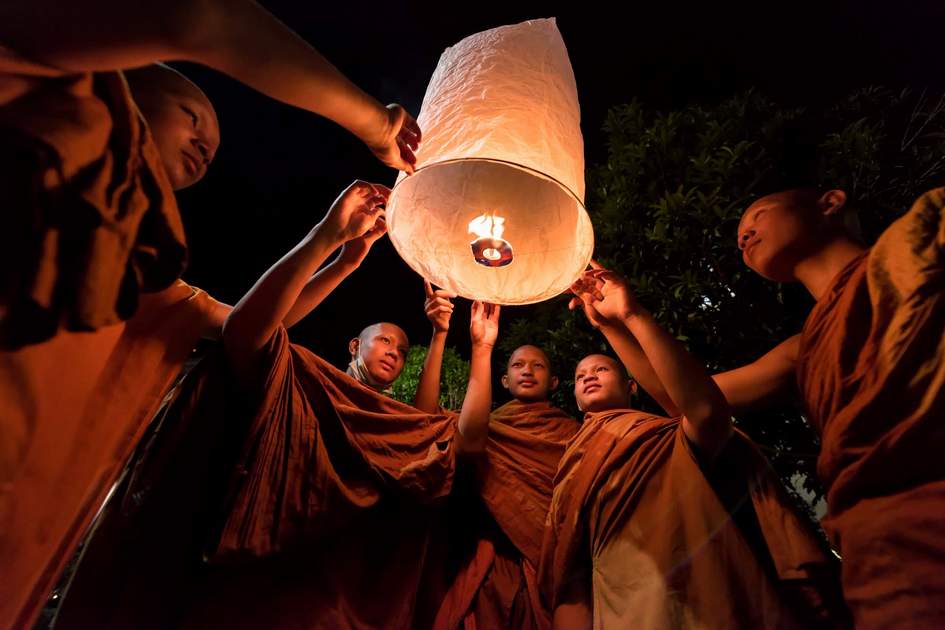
278 168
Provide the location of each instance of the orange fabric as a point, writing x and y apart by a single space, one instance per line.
637 531
872 374
90 218
72 409
312 501
495 585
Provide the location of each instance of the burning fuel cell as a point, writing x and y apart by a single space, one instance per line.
490 249
495 209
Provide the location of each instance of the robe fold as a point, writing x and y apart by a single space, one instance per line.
71 412
309 497
505 506
90 219
637 527
872 374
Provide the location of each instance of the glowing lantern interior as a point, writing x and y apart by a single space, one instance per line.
501 163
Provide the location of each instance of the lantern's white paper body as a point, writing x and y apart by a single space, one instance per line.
502 148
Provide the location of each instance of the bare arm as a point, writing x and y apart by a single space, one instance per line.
633 357
316 289
213 326
473 426
439 309
327 280
262 310
707 416
236 37
757 384
769 379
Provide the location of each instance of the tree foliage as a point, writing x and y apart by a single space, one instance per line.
453 378
666 205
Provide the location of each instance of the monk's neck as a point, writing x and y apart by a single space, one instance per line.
818 270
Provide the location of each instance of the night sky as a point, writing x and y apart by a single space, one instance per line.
278 169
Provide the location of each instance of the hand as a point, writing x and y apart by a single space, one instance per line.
605 296
396 142
438 307
484 324
356 211
354 251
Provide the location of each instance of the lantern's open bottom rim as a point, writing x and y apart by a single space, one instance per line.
515 165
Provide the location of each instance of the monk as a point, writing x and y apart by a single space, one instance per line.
500 502
91 219
869 366
64 446
649 526
308 490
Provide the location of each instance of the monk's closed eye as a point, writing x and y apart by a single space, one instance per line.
190 112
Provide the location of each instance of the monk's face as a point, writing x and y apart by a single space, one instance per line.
779 231
528 376
383 348
184 126
600 384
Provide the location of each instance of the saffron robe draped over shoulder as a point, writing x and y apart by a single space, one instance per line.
71 411
312 505
496 583
89 216
872 374
637 526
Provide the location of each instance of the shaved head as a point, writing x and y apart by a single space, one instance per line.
181 118
615 365
526 349
149 80
379 327
528 376
382 350
601 383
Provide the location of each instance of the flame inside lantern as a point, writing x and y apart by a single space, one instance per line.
490 249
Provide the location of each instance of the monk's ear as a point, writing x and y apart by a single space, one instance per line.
353 346
833 202
633 387
505 381
554 383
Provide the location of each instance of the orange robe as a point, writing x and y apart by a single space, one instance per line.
637 526
71 411
311 499
872 374
89 216
495 585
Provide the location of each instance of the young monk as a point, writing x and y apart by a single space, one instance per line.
329 483
869 363
91 219
640 532
65 445
378 355
510 466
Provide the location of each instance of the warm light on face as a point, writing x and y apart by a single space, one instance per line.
490 249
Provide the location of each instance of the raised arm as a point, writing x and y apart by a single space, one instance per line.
473 429
262 310
326 280
439 309
765 381
237 37
707 416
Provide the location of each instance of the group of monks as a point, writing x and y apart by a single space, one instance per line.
270 489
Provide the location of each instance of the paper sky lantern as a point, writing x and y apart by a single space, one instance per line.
495 211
